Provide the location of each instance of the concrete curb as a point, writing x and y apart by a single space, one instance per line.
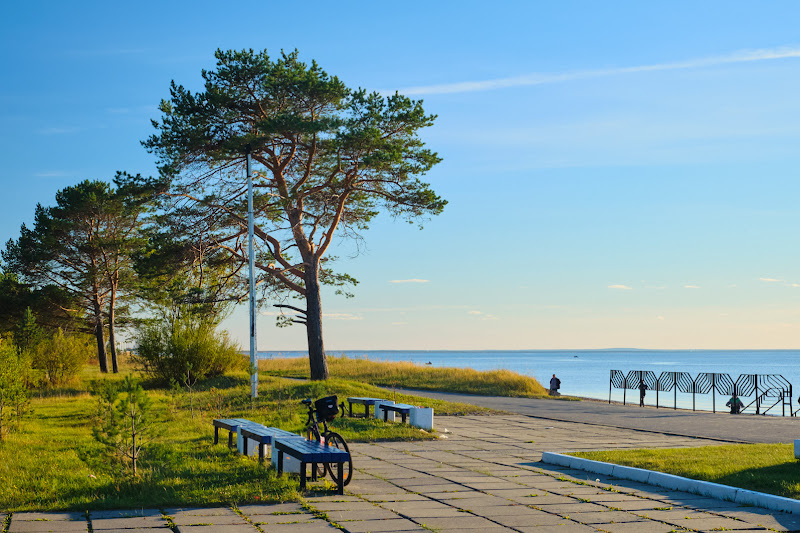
669 481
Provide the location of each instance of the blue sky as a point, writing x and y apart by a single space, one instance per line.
619 174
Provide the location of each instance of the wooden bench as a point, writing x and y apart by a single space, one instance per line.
311 452
366 402
403 408
264 436
231 424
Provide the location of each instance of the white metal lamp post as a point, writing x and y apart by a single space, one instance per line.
251 260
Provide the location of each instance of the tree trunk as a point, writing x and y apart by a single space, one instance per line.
101 342
316 348
111 339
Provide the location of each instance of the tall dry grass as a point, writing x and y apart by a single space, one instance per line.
413 376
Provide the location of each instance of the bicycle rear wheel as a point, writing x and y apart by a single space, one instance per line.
337 441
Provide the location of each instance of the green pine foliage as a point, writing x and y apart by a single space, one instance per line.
124 424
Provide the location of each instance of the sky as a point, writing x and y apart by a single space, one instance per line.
619 174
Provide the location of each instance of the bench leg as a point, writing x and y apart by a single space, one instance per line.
403 415
340 470
385 415
313 471
366 410
244 446
261 453
302 475
216 435
280 462
230 439
351 410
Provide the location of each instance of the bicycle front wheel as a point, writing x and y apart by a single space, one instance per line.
337 441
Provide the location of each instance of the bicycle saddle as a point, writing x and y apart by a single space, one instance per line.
307 401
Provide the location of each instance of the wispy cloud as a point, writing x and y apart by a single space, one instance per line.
342 316
742 56
413 280
620 287
481 315
776 280
691 286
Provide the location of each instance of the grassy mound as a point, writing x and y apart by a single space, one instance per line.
413 376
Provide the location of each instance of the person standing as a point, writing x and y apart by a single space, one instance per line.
555 384
642 388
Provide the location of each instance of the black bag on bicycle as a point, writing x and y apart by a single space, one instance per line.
327 408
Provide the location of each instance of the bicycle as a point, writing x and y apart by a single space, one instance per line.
324 410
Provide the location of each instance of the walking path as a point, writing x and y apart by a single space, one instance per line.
484 477
720 426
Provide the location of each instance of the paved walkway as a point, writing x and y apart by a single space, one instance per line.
716 426
483 478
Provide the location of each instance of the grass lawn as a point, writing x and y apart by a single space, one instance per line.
414 376
52 462
769 468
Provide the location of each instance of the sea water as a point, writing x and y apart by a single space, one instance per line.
586 373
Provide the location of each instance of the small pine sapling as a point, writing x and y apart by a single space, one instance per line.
125 425
189 382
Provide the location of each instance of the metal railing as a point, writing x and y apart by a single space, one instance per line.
762 387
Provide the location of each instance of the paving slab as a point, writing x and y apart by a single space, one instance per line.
44 516
141 522
47 526
226 528
208 520
395 525
200 511
125 513
639 527
270 509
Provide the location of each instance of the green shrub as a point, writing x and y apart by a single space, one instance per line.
13 392
188 349
61 356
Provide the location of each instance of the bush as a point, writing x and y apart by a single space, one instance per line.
13 392
188 345
61 356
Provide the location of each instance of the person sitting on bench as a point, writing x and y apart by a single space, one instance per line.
735 404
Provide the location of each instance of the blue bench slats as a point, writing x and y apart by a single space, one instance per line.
231 424
366 402
264 436
403 408
310 451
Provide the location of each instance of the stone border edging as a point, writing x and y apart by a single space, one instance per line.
669 481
